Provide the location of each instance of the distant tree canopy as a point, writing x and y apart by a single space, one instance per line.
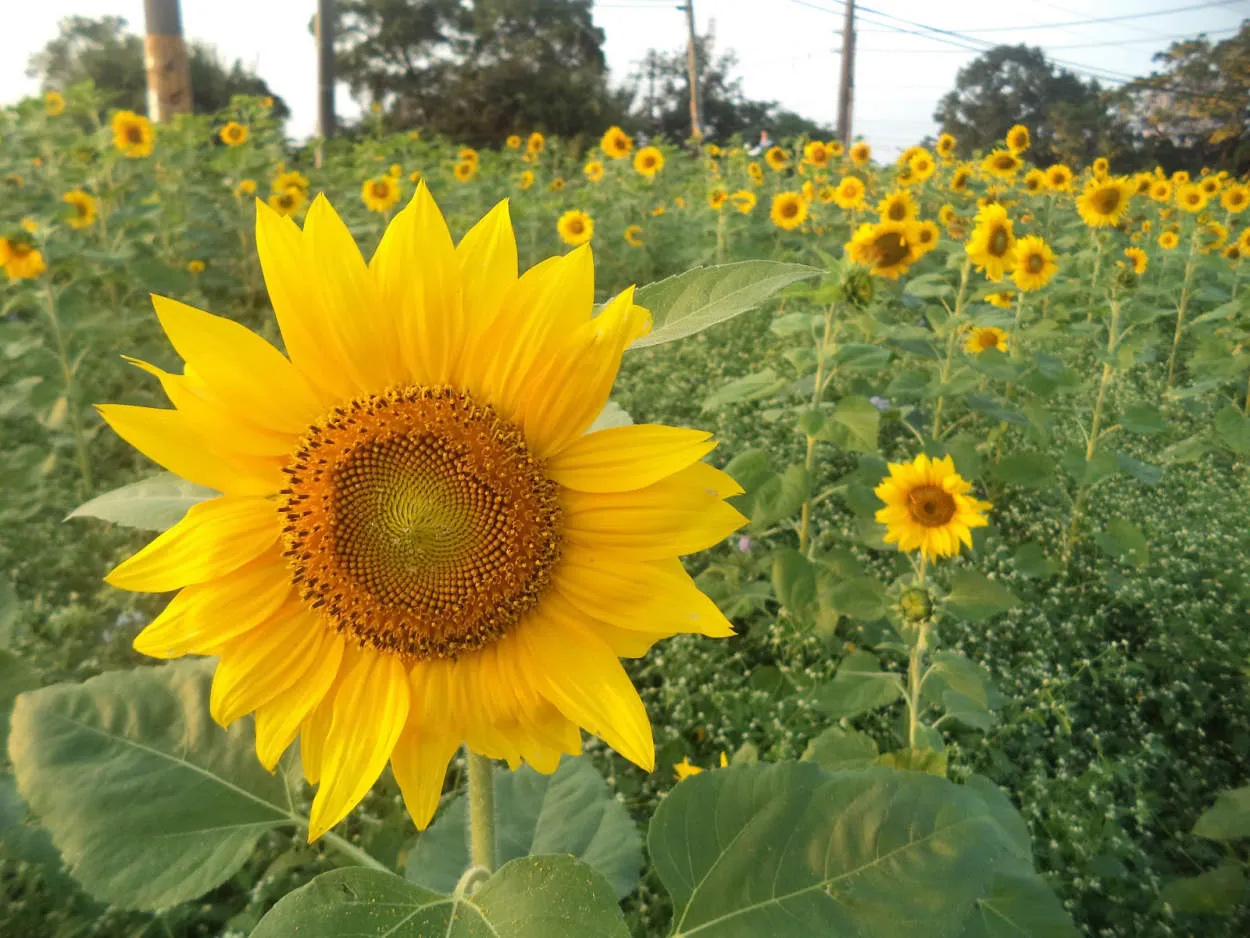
102 51
661 92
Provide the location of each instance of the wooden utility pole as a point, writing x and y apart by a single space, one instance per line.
325 68
692 70
846 94
165 59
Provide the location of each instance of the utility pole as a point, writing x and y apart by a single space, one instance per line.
325 72
692 70
846 94
165 60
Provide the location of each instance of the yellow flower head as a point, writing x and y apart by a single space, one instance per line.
1139 259
756 172
1059 178
887 248
1180 177
992 246
245 187
575 227
1035 181
195 266
233 134
1161 190
658 211
744 201
960 179
835 148
380 193
633 236
817 154
525 180
427 519
1235 198
1002 163
1035 264
1243 242
84 208
850 193
132 134
468 155
946 214
945 146
897 206
928 508
777 159
1168 240
808 191
921 166
53 103
1191 198
648 161
1210 185
925 237
1233 252
396 170
513 142
1212 236
267 103
826 195
1105 199
861 153
464 170
557 184
616 144
1018 139
685 768
982 340
716 198
20 259
1003 299
291 179
29 225
593 171
536 143
289 201
414 176
789 209
1100 167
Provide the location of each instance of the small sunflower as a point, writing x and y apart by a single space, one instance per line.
1035 264
897 206
535 143
233 134
464 171
1105 200
633 236
20 259
525 180
777 159
1144 181
960 179
946 214
945 146
1035 181
289 201
716 198
982 340
469 155
132 134
921 166
756 172
513 142
593 171
1235 198
290 179
1233 252
992 246
575 227
1003 299
557 184
817 154
925 237
245 187
1210 186
1191 198
84 213
850 193
1211 237
808 191
861 153
927 507
789 210
1058 178
648 161
195 266
1139 259
1168 240
826 195
1161 191
1018 139
1100 167
380 193
744 201
1001 163
396 170
1180 177
1243 242
53 103
616 144
888 248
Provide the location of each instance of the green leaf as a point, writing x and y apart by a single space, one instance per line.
975 597
1125 541
750 469
532 897
794 324
859 686
570 812
692 301
963 688
860 597
837 750
1031 560
855 425
1218 891
860 357
154 504
1143 419
148 800
929 286
781 496
788 849
1233 428
794 580
1228 818
1020 905
1027 470
15 678
1143 472
748 388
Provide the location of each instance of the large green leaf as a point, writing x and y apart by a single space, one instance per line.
15 678
791 851
148 800
690 302
1228 818
533 897
154 504
858 687
1217 891
569 812
837 749
1020 905
1124 540
974 596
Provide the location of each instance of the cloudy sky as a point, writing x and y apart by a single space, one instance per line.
788 50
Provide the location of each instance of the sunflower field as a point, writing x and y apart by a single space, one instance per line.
881 524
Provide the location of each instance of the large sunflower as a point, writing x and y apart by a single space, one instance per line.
776 158
1105 199
788 211
648 161
1235 198
927 507
897 206
888 248
417 543
1035 263
1002 163
992 246
1190 197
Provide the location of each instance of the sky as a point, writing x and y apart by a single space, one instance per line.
788 50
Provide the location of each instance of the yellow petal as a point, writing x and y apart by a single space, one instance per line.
419 764
622 459
488 270
202 617
240 367
215 537
278 721
370 709
260 664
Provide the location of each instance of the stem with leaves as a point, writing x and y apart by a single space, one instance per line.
952 325
67 376
915 665
1184 301
818 390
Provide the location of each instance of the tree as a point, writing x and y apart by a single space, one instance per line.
661 92
1070 120
103 52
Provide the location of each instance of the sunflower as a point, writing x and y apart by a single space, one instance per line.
960 179
616 144
1104 200
1191 198
1243 242
464 171
1018 139
1233 252
245 187
195 267
20 259
1210 186
1001 163
817 154
84 205
418 545
1100 167
535 143
927 507
575 227
379 193
1212 236
1180 177
679 202
744 201
557 184
756 172
593 171
1035 181
288 202
777 159
1035 264
849 193
1003 299
992 246
925 237
861 153
1143 181
921 166
469 155
789 209
1235 198
293 178
1059 178
53 103
648 161
945 146
513 142
982 340
946 214
1139 259
897 206
633 236
1168 240
1161 190
132 134
716 198
525 180
396 170
888 248
233 134
808 191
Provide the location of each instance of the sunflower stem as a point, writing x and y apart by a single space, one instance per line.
1180 307
914 671
818 389
67 375
953 325
481 811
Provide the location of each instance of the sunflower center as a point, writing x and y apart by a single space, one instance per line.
999 242
891 249
81 208
134 133
420 522
988 340
1035 263
1005 161
1107 200
381 190
897 211
930 505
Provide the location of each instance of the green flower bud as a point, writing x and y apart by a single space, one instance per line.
916 604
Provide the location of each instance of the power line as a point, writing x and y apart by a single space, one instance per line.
1103 19
1082 45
